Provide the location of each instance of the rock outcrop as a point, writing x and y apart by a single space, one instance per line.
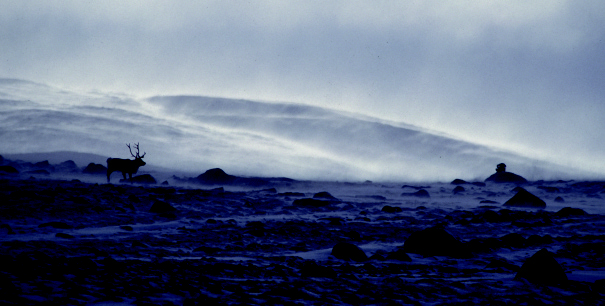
524 198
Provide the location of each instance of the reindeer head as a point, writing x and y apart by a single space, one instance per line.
137 158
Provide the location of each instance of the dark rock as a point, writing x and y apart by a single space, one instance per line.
160 207
569 211
506 177
488 216
501 176
524 198
67 166
542 268
458 182
6 229
64 236
347 251
458 189
307 202
549 189
391 209
291 194
514 240
324 195
420 194
127 228
434 241
215 176
146 179
165 183
400 255
559 200
501 263
38 171
93 168
56 224
312 269
8 170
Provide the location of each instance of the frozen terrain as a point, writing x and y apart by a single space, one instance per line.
192 133
69 238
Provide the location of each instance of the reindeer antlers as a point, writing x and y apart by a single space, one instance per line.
136 146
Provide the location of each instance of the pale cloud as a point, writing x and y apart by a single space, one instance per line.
513 74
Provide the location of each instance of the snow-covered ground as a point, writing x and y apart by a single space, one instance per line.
70 238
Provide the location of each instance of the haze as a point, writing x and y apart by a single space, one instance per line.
515 75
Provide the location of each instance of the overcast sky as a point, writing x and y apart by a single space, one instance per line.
523 75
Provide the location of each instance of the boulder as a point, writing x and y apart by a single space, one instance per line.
324 195
391 209
569 211
524 198
458 182
458 189
434 241
8 170
312 269
399 255
501 176
93 168
141 179
160 207
307 202
348 251
559 199
419 194
542 268
215 176
506 177
67 166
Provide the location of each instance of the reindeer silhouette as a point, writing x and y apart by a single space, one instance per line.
126 165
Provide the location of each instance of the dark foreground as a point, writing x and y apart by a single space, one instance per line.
72 243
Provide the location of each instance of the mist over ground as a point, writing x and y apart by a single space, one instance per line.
513 75
243 137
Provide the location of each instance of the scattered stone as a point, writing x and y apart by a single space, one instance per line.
10 170
311 269
524 198
399 255
514 240
6 229
146 179
56 224
458 189
348 251
569 211
64 236
502 264
549 189
93 168
458 182
391 209
434 241
419 194
324 195
308 202
67 166
501 176
542 268
160 207
215 176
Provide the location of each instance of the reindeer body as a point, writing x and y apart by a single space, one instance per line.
125 165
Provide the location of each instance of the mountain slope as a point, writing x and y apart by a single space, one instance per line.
242 137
